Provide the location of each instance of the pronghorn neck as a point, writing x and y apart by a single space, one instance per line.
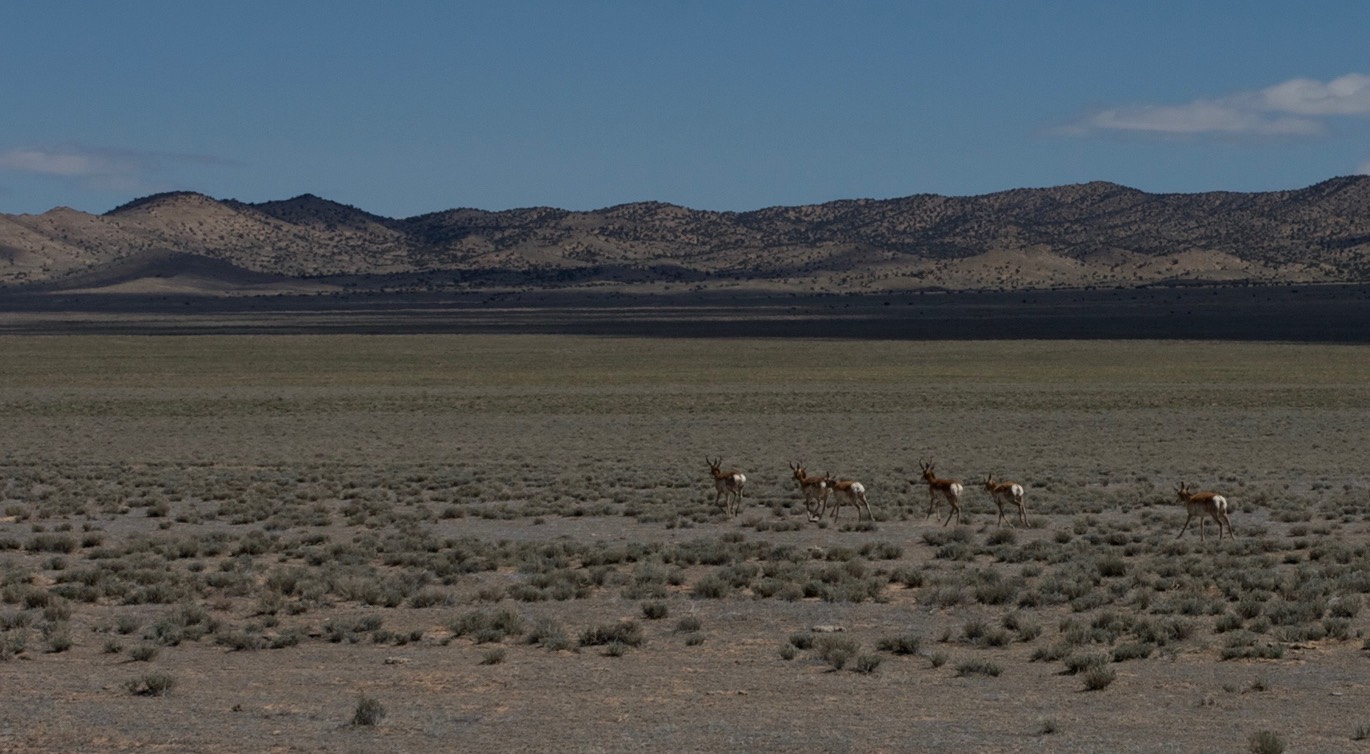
934 481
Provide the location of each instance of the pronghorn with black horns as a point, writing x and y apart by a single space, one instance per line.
848 492
950 489
815 490
729 485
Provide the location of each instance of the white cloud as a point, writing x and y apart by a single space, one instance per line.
98 167
1203 117
1348 95
1298 107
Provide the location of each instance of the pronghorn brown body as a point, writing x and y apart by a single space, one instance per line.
815 490
950 489
848 492
1006 493
1205 505
729 485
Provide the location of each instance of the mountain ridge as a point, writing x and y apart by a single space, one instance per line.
1077 235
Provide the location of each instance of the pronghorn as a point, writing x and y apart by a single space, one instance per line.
815 489
1005 493
948 488
848 492
1205 505
729 485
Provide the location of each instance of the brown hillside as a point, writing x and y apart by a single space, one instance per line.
1067 236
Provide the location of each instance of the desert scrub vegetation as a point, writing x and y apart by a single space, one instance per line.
522 504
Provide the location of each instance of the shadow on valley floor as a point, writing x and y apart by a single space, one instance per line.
1326 313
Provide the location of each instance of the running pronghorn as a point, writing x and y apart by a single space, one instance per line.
1205 505
729 485
815 490
947 488
848 492
1005 493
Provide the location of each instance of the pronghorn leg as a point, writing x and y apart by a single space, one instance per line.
1022 512
955 511
869 515
1001 513
1186 526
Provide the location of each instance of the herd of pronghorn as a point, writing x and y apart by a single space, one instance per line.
816 490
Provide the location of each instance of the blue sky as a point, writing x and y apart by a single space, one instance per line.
402 108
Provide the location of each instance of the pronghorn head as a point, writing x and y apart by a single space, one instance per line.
927 470
714 466
1182 492
989 482
798 469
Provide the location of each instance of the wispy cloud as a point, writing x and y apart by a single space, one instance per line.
1298 107
98 167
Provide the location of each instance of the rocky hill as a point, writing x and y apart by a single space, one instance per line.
1095 234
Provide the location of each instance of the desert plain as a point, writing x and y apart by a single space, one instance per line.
508 542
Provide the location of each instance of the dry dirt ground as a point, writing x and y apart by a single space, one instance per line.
508 543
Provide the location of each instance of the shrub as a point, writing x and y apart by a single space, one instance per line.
1133 651
485 627
59 639
996 593
492 656
974 629
430 598
978 667
627 632
548 634
368 711
654 610
882 551
1227 622
867 663
1265 742
151 684
143 653
1111 566
836 650
711 587
1001 537
906 644
690 624
1099 677
240 641
1079 663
